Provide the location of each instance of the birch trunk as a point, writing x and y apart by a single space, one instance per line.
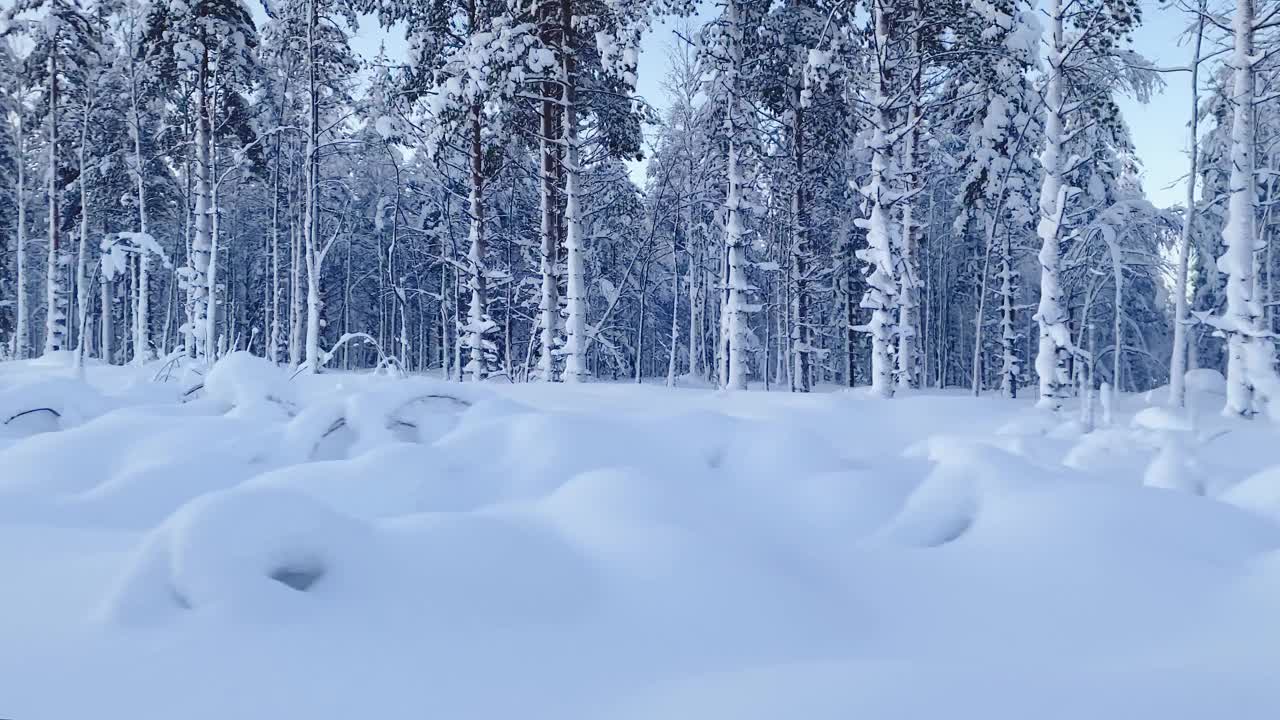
311 220
274 329
202 239
55 338
1178 358
549 232
142 314
733 322
478 311
1008 321
215 212
22 332
675 306
882 292
801 330
1055 337
908 305
82 251
575 348
1250 372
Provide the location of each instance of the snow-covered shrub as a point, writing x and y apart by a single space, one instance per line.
243 551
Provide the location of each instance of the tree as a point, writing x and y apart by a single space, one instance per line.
995 107
65 32
212 43
1083 54
1251 379
16 107
726 48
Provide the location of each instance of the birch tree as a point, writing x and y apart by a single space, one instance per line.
1251 379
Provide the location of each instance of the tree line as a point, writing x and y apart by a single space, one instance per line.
896 193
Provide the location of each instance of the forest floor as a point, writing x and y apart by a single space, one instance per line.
353 546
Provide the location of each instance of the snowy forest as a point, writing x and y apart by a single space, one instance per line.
636 359
898 193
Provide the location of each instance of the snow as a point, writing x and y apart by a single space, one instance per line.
268 545
386 128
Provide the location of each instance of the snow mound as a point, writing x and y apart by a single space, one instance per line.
250 385
31 405
1114 452
1206 381
342 544
1259 493
356 419
1161 418
1174 468
947 503
499 567
247 552
1078 518
388 481
129 468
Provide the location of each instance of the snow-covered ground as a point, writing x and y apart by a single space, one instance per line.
351 546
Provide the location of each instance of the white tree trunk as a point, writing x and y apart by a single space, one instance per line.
549 303
201 240
908 307
801 336
211 293
1008 328
1055 339
1178 358
882 291
478 321
575 348
82 251
733 321
1250 355
55 336
274 328
311 220
105 332
295 290
979 313
695 299
142 314
22 332
675 308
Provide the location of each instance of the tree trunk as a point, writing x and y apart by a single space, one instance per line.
1055 337
1178 358
576 340
733 322
22 332
549 232
1008 331
882 292
908 304
478 311
1250 355
801 330
55 290
215 213
311 221
273 309
142 314
202 240
82 252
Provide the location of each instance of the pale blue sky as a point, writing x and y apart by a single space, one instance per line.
1159 127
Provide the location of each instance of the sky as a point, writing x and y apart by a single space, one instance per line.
1159 128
